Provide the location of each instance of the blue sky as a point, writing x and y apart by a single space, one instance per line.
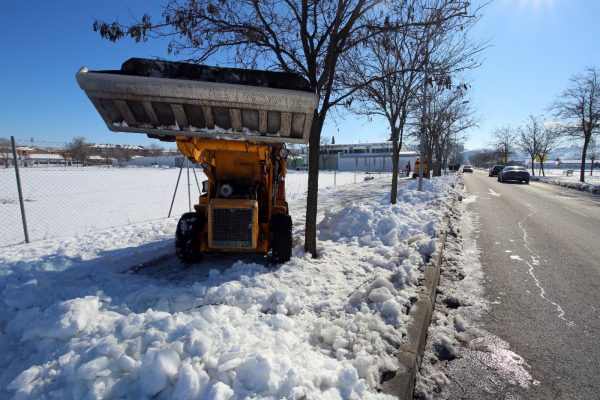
535 46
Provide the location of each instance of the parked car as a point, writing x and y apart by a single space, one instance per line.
514 173
468 168
495 170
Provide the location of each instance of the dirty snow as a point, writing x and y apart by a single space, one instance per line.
77 321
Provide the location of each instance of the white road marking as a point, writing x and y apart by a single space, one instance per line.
577 212
535 261
495 193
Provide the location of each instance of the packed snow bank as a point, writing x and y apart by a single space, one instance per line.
592 183
77 322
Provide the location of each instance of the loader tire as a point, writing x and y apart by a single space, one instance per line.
281 245
187 237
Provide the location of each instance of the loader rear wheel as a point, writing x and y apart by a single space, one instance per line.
281 245
187 237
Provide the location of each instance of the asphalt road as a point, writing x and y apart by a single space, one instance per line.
540 253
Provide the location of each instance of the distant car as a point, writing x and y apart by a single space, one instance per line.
514 173
468 168
495 170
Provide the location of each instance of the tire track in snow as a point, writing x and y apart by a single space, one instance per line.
535 261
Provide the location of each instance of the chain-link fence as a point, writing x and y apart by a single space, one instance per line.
62 198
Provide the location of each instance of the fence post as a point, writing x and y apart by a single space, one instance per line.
175 191
189 189
334 177
14 151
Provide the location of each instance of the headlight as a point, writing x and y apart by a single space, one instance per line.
225 190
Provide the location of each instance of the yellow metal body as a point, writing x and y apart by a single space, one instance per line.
238 161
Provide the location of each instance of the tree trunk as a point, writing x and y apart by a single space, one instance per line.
314 143
586 141
543 171
533 166
395 162
592 166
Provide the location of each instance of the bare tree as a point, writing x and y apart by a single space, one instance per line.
579 107
5 152
390 67
155 150
79 150
485 158
325 153
306 37
549 139
448 116
122 154
530 135
503 140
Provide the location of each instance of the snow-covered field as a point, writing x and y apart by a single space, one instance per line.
557 177
67 201
77 321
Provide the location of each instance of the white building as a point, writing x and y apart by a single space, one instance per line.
44 160
365 157
165 161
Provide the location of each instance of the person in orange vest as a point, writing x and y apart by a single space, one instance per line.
416 173
425 169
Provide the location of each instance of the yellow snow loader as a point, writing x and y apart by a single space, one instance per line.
234 123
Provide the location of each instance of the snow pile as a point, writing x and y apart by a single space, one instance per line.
77 322
591 185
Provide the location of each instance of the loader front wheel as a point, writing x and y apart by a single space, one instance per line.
187 237
281 245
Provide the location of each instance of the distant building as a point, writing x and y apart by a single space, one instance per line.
43 160
164 161
364 157
99 160
24 151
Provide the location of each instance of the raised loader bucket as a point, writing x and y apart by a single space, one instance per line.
164 99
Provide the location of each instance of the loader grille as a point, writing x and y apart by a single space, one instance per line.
232 227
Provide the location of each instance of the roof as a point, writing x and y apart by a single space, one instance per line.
38 156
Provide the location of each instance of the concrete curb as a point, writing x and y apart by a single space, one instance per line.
411 351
